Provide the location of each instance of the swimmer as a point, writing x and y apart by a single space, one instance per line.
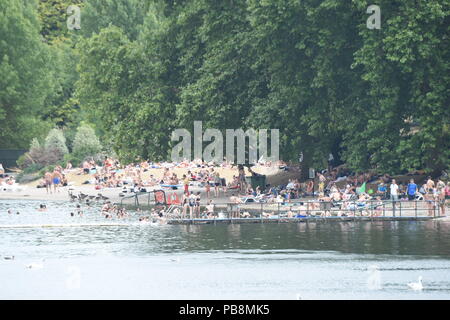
17 212
9 211
42 207
72 214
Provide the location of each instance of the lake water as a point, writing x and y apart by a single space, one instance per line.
326 260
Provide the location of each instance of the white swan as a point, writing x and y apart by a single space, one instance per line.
416 285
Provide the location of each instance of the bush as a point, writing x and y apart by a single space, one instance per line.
56 142
32 168
85 143
25 178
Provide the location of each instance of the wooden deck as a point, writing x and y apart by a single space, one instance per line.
293 220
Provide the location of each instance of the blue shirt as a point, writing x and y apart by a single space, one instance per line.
412 188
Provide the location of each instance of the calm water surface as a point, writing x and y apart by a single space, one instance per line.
327 260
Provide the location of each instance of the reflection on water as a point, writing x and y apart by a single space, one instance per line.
261 261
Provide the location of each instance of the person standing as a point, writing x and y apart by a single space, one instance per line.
186 183
191 201
447 191
197 205
322 181
411 190
394 194
185 204
242 182
440 199
217 184
430 183
430 199
56 179
382 190
208 187
48 178
394 190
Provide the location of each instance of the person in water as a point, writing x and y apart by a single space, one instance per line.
42 207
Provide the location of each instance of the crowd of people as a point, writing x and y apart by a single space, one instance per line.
333 185
53 180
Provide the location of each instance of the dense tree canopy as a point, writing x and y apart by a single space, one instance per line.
375 98
25 81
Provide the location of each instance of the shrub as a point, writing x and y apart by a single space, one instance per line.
56 142
86 143
25 178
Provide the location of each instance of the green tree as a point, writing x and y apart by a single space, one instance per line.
128 15
53 16
25 80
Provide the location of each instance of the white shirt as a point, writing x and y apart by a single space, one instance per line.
394 189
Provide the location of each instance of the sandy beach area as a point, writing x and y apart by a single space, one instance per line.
76 181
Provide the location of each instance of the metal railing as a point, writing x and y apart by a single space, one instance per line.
314 208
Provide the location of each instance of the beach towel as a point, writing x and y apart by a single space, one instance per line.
362 189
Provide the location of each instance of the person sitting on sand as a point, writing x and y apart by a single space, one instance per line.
310 187
68 166
86 167
10 181
336 196
64 182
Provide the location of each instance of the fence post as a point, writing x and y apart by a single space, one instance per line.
393 207
434 210
400 208
261 213
371 211
415 208
384 209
